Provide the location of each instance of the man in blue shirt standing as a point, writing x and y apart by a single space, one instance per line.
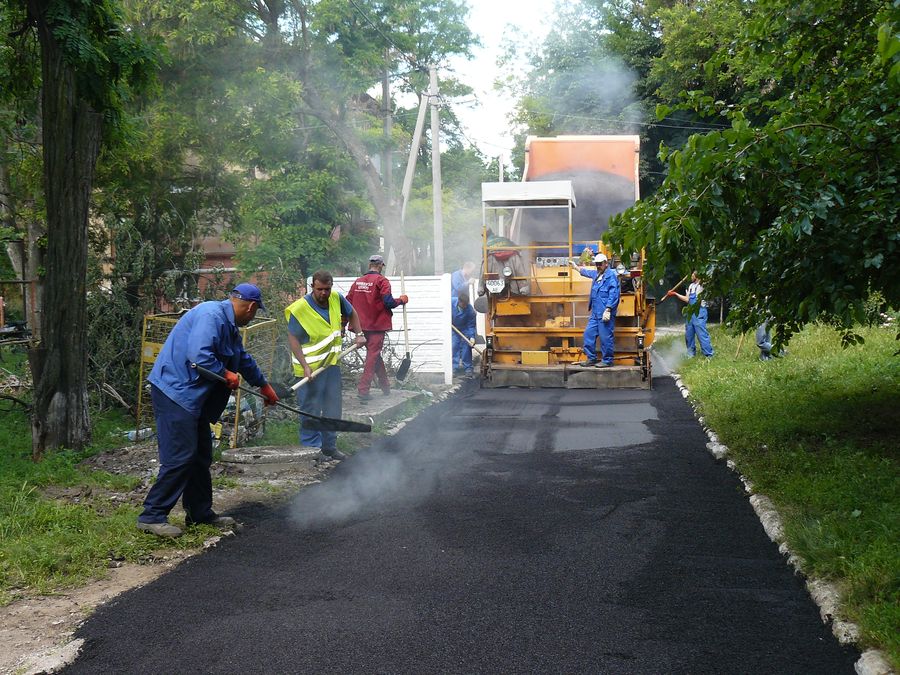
459 280
185 404
603 305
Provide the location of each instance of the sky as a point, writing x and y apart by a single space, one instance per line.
485 120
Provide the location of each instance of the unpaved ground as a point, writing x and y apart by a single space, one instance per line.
33 630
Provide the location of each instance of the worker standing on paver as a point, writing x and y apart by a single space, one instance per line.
315 327
463 317
695 325
371 298
185 404
603 305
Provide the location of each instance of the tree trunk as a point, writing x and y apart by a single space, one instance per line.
71 144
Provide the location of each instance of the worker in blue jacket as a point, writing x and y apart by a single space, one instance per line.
603 305
463 317
695 329
185 404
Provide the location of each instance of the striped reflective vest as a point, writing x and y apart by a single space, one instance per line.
324 337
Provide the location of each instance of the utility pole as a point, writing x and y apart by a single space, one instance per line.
436 174
500 228
387 169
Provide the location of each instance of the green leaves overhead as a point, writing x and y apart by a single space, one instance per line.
794 215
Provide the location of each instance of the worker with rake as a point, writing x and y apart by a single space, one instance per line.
695 329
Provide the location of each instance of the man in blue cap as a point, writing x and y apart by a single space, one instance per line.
185 404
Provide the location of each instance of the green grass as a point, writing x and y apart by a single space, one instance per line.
46 543
816 431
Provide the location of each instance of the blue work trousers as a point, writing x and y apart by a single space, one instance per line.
462 353
185 455
320 396
695 327
605 330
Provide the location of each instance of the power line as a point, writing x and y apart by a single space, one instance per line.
412 63
707 126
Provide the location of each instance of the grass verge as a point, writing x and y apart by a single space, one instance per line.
816 431
48 543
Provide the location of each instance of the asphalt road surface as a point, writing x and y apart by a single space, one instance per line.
502 531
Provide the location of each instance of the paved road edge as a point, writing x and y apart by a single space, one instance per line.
824 593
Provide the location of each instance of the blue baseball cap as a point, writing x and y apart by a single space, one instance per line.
248 292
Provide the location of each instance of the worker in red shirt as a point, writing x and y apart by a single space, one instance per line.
371 298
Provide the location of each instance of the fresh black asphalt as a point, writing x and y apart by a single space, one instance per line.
501 531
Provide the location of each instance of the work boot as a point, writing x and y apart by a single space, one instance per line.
587 363
364 396
386 391
603 364
334 454
160 529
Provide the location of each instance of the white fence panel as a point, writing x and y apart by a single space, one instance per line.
428 319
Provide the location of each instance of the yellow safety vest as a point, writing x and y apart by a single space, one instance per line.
324 341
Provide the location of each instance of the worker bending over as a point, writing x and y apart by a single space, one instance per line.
464 321
185 404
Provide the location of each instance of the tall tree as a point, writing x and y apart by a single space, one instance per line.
792 212
339 48
86 60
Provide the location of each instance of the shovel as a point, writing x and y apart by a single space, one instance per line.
674 288
297 385
322 423
472 343
407 360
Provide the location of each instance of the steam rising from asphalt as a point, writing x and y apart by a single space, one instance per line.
673 353
371 481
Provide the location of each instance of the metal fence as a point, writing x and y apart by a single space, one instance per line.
244 417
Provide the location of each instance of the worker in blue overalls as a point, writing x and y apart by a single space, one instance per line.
463 318
603 305
695 324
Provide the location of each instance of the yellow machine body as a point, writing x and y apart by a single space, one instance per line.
536 303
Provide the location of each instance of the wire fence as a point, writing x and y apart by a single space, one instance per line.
244 418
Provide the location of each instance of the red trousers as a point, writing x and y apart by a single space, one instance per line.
374 363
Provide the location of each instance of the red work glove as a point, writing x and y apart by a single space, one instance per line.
232 381
403 299
269 393
670 294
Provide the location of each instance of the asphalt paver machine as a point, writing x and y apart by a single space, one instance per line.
535 302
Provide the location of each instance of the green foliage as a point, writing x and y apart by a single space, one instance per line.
107 59
691 36
794 218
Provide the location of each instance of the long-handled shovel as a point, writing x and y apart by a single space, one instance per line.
472 343
407 360
322 423
305 380
674 288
